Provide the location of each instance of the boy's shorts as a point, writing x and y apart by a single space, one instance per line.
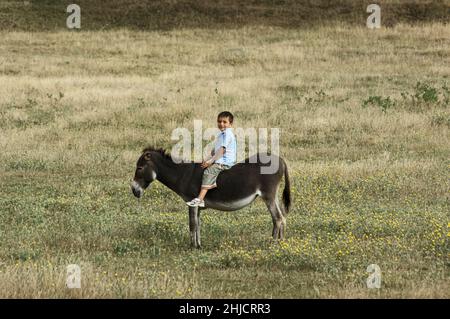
210 175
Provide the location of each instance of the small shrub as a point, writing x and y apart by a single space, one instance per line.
426 93
383 103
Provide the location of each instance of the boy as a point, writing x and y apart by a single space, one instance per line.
222 157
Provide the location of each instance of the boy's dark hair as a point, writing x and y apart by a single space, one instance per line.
226 114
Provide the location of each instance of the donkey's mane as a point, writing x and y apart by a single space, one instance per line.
163 152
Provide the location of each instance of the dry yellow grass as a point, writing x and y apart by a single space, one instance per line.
76 109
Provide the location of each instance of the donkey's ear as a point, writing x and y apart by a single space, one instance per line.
147 156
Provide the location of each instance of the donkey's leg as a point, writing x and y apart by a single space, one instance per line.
276 217
193 225
283 220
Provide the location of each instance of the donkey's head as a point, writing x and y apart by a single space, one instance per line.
145 173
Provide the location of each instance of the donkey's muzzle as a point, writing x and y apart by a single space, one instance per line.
136 189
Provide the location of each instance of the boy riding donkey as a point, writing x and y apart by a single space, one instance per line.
223 157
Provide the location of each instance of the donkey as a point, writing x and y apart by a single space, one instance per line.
237 187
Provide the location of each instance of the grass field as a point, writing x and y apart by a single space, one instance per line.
365 129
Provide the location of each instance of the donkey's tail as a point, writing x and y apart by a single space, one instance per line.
287 190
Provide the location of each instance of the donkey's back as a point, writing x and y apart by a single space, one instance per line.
237 187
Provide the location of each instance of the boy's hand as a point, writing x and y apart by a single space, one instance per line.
205 164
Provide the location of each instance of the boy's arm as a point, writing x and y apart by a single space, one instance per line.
216 156
209 157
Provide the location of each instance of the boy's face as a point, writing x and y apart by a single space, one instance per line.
223 123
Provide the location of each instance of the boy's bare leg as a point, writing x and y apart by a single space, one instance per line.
202 194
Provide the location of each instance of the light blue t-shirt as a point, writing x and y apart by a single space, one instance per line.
226 139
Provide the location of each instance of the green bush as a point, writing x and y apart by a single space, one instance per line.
383 103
